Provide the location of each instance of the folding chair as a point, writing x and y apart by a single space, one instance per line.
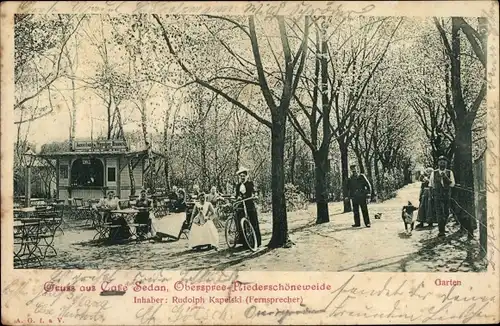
78 201
160 211
53 216
46 235
186 227
26 239
174 226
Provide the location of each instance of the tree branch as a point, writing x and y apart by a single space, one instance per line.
443 36
472 35
260 68
206 84
58 67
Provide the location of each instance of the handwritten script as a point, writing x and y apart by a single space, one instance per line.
285 8
347 301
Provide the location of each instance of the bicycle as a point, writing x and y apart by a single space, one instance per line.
223 211
231 229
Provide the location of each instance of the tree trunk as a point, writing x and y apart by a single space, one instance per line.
463 170
360 162
110 127
406 174
216 152
166 169
293 158
321 186
132 180
73 113
204 172
344 162
369 173
280 226
378 180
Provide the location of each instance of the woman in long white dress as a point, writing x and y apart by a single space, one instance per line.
203 231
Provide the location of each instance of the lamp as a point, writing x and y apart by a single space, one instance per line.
30 158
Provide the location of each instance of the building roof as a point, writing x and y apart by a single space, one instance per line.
97 153
92 153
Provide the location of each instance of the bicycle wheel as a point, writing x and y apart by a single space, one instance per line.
218 224
231 232
249 234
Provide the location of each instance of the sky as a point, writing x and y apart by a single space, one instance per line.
91 109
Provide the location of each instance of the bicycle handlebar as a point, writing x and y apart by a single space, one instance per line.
243 200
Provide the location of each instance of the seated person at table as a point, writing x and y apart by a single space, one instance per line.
213 196
195 193
180 204
203 231
107 205
173 197
143 216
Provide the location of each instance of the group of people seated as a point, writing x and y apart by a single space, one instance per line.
177 200
178 197
142 204
203 233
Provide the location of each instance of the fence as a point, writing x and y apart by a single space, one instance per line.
480 201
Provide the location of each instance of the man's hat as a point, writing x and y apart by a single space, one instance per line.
442 158
242 170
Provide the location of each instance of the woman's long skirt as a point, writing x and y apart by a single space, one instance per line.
426 208
203 235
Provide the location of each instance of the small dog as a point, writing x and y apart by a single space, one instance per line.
407 216
378 216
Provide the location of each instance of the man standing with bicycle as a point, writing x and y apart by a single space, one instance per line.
244 190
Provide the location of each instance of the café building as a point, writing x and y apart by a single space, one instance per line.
92 168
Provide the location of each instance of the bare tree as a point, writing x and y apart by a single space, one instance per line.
464 111
278 106
28 69
341 86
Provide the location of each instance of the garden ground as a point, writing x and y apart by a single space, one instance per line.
334 246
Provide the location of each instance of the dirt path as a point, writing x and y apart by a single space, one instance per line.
335 246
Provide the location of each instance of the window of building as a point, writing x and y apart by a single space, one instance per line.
63 171
87 172
111 174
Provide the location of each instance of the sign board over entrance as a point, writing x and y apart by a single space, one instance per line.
99 146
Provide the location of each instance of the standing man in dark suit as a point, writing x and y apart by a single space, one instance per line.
441 182
359 189
245 189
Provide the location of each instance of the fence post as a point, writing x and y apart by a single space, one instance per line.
480 199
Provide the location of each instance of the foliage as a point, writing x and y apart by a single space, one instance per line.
294 198
216 93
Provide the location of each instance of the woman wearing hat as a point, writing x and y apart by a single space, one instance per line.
245 189
426 209
441 182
